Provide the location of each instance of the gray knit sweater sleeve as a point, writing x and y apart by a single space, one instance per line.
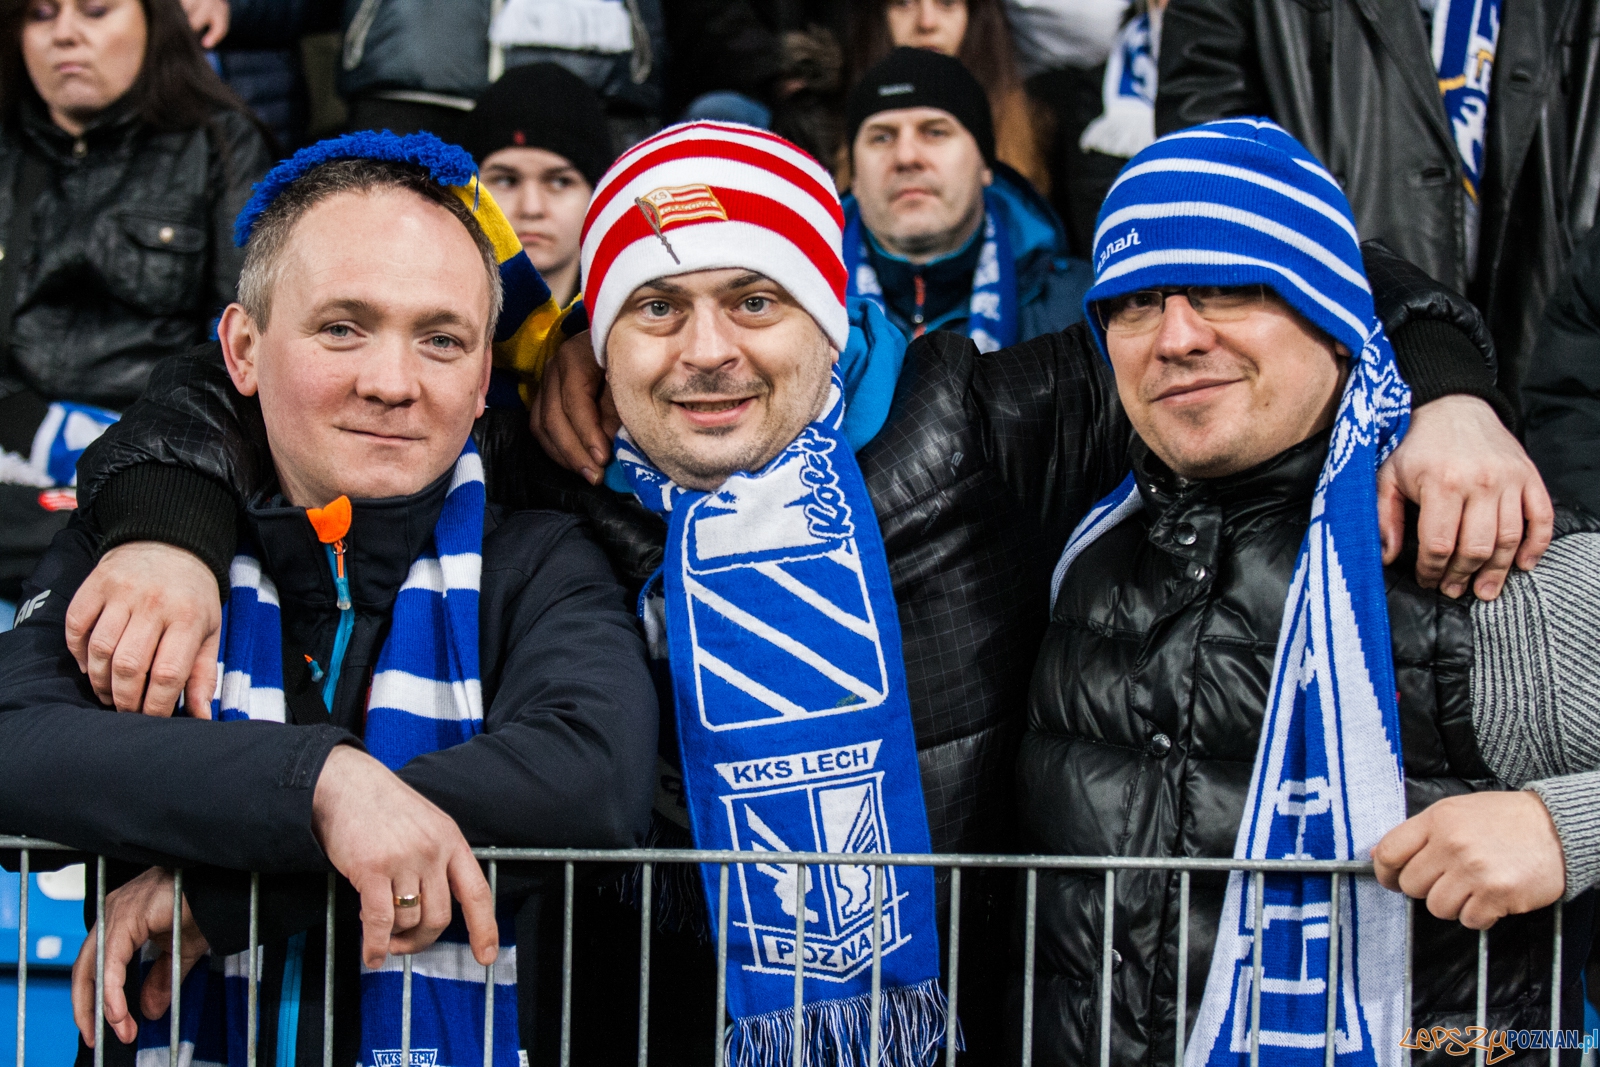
1536 693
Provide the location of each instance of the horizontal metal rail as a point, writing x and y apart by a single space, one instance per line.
1109 867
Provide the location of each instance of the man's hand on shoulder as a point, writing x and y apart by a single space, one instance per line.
148 613
1476 857
393 843
573 417
136 912
1483 504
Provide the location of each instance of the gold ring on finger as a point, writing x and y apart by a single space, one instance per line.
412 900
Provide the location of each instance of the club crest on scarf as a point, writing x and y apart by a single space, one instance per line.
1240 202
795 735
1466 34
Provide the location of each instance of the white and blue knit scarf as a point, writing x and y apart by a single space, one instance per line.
425 696
1234 203
795 734
992 316
1128 123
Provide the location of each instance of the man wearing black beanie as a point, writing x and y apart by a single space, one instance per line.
939 233
539 135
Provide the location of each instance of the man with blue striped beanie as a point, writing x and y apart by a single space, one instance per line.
403 670
1232 670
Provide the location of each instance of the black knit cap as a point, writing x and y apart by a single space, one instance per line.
541 105
917 77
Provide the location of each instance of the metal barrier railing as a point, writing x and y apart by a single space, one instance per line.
648 859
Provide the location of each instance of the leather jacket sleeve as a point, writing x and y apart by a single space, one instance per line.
1561 393
1208 67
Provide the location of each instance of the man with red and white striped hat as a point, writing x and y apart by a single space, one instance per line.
715 292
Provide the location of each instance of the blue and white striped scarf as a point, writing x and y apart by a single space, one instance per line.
794 728
425 696
991 310
1240 202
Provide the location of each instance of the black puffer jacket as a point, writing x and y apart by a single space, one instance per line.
1143 723
1354 81
132 253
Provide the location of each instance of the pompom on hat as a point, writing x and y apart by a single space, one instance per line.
708 196
528 332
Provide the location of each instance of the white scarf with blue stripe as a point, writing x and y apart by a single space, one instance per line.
1235 203
425 696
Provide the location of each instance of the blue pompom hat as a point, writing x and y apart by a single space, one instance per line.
530 326
1234 202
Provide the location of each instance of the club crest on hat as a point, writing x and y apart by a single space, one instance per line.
675 206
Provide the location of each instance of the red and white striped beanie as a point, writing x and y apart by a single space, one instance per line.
708 196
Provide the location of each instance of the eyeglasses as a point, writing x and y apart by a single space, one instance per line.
1141 312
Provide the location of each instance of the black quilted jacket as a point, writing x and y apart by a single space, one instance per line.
1143 723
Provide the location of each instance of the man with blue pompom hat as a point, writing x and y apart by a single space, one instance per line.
1233 669
404 669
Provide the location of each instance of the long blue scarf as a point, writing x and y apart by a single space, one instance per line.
795 735
425 696
1236 203
1466 34
992 308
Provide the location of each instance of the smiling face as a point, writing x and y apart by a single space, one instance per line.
82 55
715 372
544 197
374 362
937 24
1215 398
919 178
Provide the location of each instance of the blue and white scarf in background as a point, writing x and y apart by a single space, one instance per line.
992 308
795 734
1466 34
425 696
66 430
1127 126
1233 203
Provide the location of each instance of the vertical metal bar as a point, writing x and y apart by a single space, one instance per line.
1555 982
1105 968
327 976
177 966
22 964
874 1034
488 972
1333 969
1259 881
951 1019
1407 975
1483 987
799 963
405 1010
1029 920
1183 968
253 971
566 969
722 962
646 920
100 962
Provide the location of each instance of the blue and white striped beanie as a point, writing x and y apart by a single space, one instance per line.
1234 202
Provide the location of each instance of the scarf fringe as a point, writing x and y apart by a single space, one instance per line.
837 1032
677 895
